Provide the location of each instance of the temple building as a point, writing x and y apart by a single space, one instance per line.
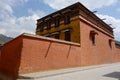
65 24
68 38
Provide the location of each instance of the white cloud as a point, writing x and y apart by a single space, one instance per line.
115 24
5 7
37 12
91 4
10 25
15 26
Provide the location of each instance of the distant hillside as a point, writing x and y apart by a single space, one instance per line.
4 39
117 43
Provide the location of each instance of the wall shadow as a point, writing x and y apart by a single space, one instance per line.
113 75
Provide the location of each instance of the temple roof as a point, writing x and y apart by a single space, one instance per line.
82 11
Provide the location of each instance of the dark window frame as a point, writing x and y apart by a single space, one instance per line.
57 22
49 25
67 35
67 19
92 37
110 43
41 27
93 40
57 36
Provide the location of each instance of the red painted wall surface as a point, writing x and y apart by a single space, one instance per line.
100 53
10 58
29 53
42 55
117 55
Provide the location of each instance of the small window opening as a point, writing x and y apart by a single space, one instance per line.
93 40
57 36
92 37
67 36
41 27
67 19
110 43
48 25
57 22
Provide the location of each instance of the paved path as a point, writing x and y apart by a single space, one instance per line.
99 72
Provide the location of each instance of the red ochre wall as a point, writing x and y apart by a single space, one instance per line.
101 53
10 57
42 55
117 55
29 53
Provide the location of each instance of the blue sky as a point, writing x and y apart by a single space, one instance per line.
19 16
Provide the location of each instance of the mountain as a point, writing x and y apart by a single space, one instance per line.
4 39
117 43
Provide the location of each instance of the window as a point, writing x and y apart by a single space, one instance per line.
57 36
110 43
67 36
41 27
67 19
67 33
48 25
57 22
92 37
93 40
